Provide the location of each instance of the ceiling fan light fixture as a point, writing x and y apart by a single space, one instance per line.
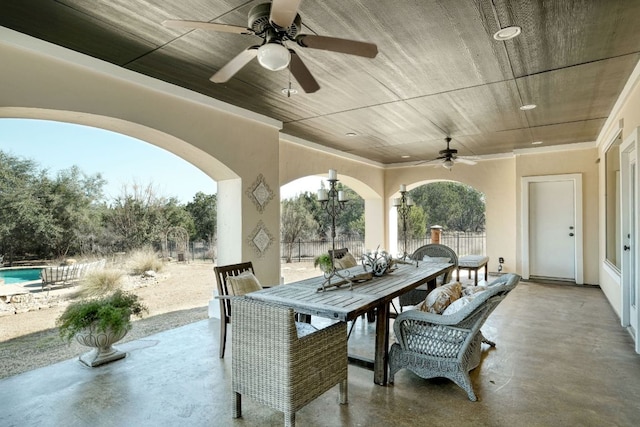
448 163
507 33
274 56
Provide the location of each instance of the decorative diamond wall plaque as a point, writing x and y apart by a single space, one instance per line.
260 193
260 239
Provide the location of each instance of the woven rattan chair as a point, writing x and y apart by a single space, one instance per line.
433 250
278 365
222 272
435 345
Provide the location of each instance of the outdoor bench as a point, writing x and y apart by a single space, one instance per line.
68 274
475 263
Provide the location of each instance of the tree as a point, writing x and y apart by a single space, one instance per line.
140 217
349 221
452 205
296 222
43 216
24 223
70 198
416 224
203 210
321 220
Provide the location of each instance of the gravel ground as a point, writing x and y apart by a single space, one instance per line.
178 296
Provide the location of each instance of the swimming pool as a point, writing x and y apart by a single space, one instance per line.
19 275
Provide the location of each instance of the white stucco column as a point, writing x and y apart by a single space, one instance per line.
374 224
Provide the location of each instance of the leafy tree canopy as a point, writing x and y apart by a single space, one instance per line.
454 206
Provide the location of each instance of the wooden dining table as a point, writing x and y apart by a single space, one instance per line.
345 303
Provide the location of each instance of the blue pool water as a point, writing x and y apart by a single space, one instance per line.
19 275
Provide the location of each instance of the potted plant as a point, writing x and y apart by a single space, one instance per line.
324 262
99 323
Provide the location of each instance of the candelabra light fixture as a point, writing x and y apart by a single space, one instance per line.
403 204
333 201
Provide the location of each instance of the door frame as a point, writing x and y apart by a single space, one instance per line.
576 179
630 143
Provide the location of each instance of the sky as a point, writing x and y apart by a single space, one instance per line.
120 159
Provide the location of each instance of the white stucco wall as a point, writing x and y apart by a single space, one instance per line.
626 116
301 158
494 178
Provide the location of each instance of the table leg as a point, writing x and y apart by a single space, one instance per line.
381 361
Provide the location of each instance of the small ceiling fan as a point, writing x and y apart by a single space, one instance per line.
449 156
277 23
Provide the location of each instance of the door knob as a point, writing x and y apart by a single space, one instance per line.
626 248
571 234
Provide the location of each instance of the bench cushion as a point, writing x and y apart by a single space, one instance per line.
472 261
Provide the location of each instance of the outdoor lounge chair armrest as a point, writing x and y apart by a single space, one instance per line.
229 297
338 328
437 319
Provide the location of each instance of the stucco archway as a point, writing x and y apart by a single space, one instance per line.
52 83
373 206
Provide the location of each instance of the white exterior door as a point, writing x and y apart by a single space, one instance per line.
552 227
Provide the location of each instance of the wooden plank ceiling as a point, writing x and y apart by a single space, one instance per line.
439 71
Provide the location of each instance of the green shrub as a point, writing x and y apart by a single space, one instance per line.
324 262
112 312
142 260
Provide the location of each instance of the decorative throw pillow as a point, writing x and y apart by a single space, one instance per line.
440 298
470 290
243 283
458 304
348 261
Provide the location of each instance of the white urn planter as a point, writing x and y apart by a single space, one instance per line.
102 341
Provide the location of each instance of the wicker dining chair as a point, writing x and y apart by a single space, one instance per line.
222 272
447 345
281 363
432 250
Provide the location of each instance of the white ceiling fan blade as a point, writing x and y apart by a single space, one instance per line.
465 160
302 74
435 162
235 65
334 44
283 12
210 26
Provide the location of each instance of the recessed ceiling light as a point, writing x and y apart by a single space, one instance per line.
288 92
351 134
536 143
507 33
405 156
528 107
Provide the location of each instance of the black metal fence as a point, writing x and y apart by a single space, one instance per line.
461 243
198 250
299 251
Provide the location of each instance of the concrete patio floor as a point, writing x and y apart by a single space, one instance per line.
561 359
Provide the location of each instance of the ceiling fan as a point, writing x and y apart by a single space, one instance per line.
277 23
449 156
